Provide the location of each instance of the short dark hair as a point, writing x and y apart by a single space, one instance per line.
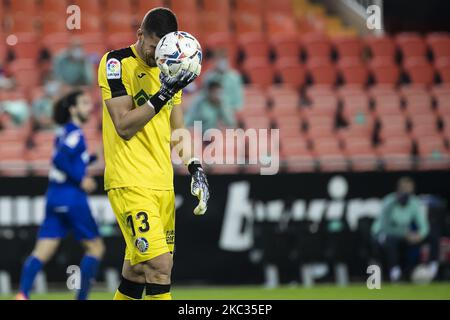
159 21
61 113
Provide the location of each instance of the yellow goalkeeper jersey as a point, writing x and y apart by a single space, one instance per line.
144 160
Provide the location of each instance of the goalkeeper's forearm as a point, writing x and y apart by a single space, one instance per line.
130 121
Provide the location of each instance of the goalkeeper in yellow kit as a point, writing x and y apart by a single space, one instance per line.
139 112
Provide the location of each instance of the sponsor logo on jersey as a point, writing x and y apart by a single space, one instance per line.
113 69
170 237
141 244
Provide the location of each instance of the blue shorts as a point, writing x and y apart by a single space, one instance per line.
61 219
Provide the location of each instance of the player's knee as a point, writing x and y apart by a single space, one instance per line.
45 249
95 248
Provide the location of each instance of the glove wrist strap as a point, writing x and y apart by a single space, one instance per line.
194 165
159 100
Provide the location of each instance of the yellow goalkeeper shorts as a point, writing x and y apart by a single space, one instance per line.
147 220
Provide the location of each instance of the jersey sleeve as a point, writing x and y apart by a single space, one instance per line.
70 146
177 97
112 77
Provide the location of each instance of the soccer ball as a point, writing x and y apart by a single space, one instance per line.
175 49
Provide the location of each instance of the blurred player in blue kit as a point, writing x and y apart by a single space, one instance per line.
67 206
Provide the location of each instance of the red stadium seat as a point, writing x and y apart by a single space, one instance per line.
353 71
387 105
185 6
223 41
249 6
56 6
281 90
382 90
245 22
392 126
329 154
316 45
253 106
27 46
119 24
443 68
294 146
259 72
381 46
325 103
418 104
279 6
289 126
420 71
356 112
413 89
56 43
12 161
361 154
351 90
348 47
319 90
322 71
89 7
356 102
439 44
291 72
254 46
143 6
212 22
422 119
286 100
214 6
320 131
257 122
27 7
286 46
25 73
53 23
433 153
280 24
114 7
120 40
21 22
189 22
90 25
423 130
296 153
396 153
444 109
411 44
384 71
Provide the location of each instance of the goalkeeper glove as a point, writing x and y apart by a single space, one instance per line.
171 85
199 186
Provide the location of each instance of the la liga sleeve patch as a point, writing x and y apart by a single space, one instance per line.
113 69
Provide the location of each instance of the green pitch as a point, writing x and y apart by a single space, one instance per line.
355 291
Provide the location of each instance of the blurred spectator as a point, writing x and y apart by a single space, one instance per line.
73 67
42 107
17 108
6 82
401 227
230 80
210 107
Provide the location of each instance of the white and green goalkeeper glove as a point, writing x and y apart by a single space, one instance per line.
199 186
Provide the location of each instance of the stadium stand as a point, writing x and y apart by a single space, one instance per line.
341 101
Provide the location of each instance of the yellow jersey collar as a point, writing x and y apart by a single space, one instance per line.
138 58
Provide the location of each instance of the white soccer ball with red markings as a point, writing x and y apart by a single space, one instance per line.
176 49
